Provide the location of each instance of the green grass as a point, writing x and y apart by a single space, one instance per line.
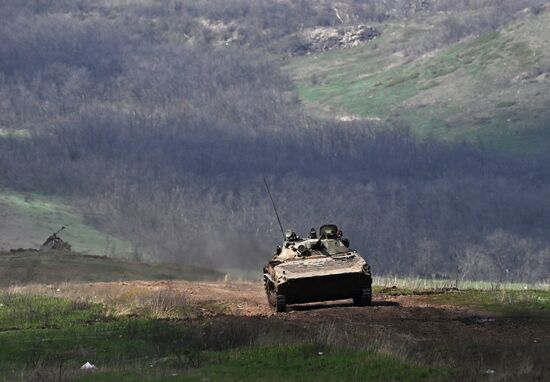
422 284
34 217
295 363
60 266
50 338
505 298
46 331
465 91
501 301
104 343
35 312
394 291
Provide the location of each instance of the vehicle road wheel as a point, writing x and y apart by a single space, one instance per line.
281 303
364 298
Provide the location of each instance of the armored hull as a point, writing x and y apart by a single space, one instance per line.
310 270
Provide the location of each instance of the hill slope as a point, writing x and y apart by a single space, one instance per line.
159 120
492 88
60 266
28 219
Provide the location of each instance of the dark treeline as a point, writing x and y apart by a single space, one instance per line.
166 141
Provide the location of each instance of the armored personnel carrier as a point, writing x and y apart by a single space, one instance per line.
318 268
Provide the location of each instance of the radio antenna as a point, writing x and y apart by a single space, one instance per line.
274 208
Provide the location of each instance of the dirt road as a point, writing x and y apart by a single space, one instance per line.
413 315
414 318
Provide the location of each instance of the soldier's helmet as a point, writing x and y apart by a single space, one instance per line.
290 235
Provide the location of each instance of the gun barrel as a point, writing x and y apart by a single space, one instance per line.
59 231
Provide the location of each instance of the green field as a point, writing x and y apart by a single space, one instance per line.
497 298
504 301
422 284
491 89
165 331
28 219
50 338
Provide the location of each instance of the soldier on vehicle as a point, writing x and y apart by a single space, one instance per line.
312 233
290 235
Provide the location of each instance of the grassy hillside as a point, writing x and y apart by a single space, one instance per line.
28 219
60 266
490 89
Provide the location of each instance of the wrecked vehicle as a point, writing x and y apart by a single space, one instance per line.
313 269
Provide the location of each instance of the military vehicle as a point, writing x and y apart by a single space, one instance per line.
54 242
321 268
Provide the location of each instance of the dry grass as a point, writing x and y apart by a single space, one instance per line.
333 335
419 284
125 299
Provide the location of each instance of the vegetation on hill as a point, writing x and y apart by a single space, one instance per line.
489 88
159 120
